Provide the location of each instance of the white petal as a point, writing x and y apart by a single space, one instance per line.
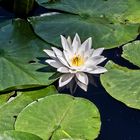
54 63
99 70
67 56
63 70
89 40
65 43
93 61
76 43
50 53
60 56
82 86
63 60
82 77
86 46
97 52
88 53
69 49
87 69
57 52
65 79
69 40
99 59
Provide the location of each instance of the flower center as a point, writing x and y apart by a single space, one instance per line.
77 60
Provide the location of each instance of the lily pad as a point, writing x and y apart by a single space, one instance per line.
5 97
119 10
15 135
42 1
10 110
109 23
123 84
19 48
60 117
131 52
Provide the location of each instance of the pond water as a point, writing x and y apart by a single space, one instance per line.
118 121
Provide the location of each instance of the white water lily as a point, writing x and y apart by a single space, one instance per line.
76 60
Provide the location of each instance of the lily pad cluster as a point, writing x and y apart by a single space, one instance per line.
29 107
110 23
44 114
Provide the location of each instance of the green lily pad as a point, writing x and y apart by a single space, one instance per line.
131 52
109 23
123 84
119 10
15 135
60 117
42 1
5 97
10 110
19 48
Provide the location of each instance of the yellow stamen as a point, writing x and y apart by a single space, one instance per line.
77 60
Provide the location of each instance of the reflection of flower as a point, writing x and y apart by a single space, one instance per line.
76 60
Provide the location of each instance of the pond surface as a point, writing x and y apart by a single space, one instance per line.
118 121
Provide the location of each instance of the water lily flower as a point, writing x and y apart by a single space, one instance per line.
76 60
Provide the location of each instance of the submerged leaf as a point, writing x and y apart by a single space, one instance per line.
23 7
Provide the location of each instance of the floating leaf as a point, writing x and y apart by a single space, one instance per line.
15 135
119 10
19 48
5 97
10 110
60 117
42 1
110 23
131 52
123 84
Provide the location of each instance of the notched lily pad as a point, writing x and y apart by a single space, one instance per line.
10 110
60 117
18 47
131 52
123 84
110 23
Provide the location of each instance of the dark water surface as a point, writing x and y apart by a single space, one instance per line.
118 121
